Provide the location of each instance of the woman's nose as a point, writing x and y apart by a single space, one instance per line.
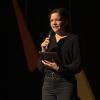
54 23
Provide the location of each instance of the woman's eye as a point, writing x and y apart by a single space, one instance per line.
51 20
58 20
55 20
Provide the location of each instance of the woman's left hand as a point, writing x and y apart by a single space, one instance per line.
50 65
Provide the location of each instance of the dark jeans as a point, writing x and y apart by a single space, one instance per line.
58 88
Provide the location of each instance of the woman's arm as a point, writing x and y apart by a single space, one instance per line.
74 66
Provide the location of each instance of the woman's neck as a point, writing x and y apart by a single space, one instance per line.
60 36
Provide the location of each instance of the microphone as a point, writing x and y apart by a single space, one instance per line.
45 48
50 34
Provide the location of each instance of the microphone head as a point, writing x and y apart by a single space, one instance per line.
50 34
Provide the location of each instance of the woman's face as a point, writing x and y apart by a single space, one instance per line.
56 23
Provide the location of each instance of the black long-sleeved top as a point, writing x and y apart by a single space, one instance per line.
69 53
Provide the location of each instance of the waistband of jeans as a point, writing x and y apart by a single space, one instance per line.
52 74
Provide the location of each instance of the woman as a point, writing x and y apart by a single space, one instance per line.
59 78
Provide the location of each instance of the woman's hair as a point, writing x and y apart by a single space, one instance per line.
64 16
62 11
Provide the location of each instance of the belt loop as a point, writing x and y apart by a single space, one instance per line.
52 74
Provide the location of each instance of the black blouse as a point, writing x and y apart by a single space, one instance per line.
69 54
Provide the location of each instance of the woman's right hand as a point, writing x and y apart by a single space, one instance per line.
45 43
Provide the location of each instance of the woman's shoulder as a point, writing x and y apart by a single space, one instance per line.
69 39
72 36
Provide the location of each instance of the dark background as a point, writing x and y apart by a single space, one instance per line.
26 85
